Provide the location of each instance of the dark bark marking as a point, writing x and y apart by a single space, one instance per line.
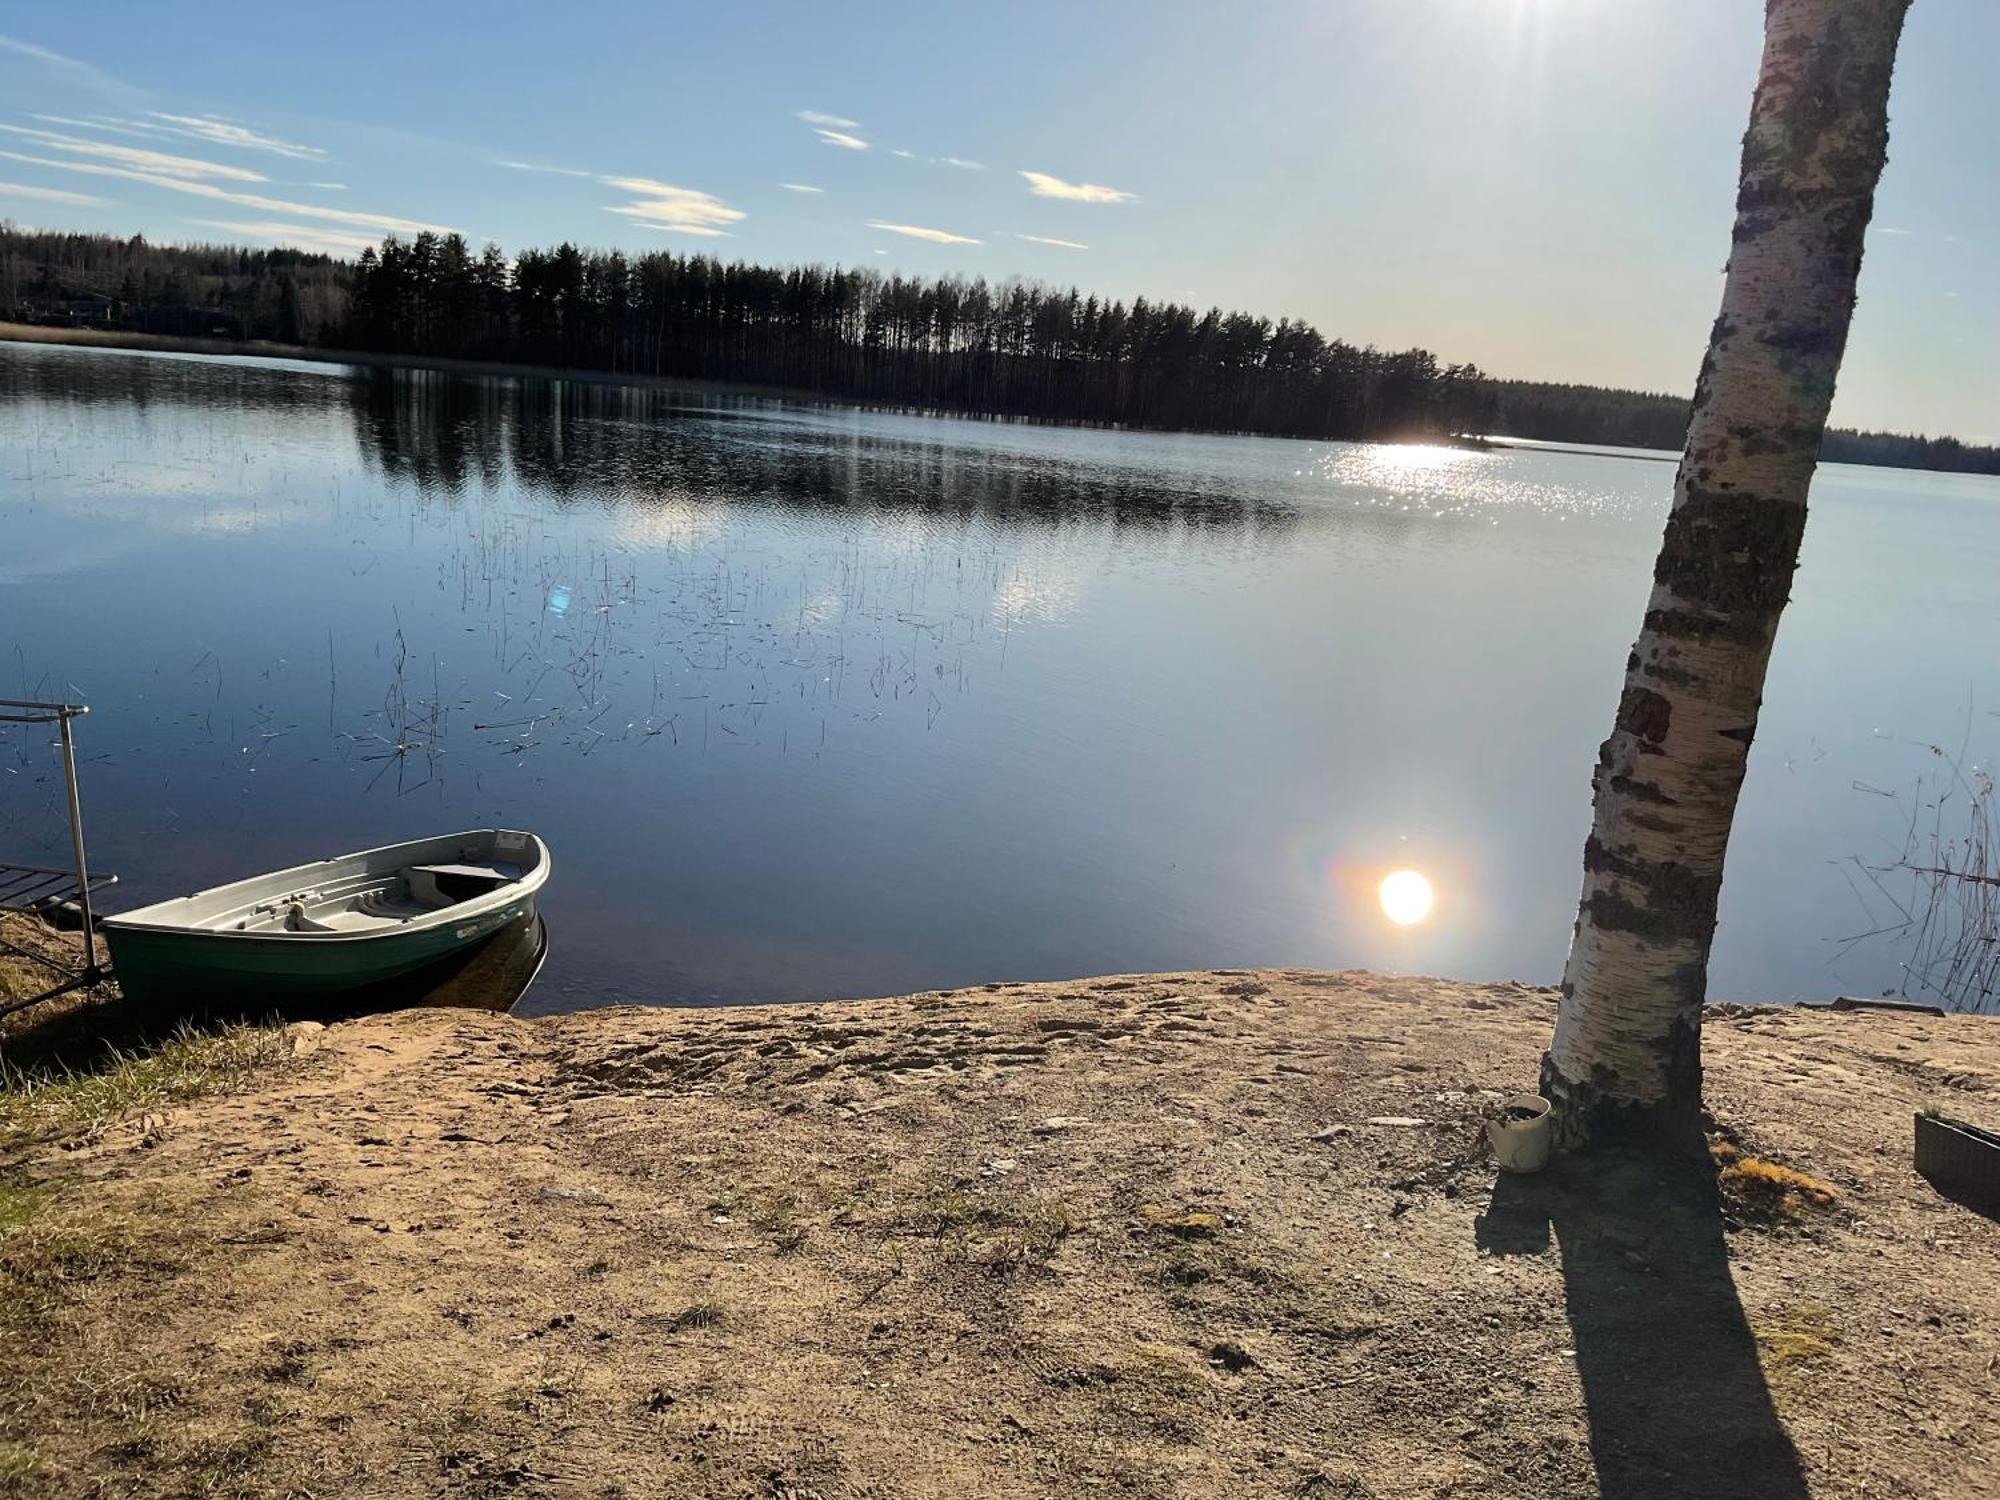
1731 552
1639 791
1673 904
1644 714
1686 625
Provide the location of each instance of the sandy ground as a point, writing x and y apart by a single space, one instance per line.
1212 1234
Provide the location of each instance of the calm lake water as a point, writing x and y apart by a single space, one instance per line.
817 702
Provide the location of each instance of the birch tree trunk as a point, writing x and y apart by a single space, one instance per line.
1627 1048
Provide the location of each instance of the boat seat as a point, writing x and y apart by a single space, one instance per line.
448 884
371 909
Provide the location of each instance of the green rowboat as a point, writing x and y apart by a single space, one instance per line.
341 924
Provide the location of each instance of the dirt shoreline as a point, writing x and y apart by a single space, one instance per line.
1228 1233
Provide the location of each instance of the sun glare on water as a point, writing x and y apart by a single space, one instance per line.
1406 897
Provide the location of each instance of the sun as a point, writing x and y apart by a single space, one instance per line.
1406 897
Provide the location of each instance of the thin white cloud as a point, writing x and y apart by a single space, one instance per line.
210 130
49 195
918 232
820 117
52 59
1042 239
960 162
528 166
384 223
842 139
678 210
1042 185
108 123
221 132
331 187
297 236
135 157
799 187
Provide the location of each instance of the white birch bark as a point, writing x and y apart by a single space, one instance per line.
1628 1034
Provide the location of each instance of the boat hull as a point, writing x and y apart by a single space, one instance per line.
178 965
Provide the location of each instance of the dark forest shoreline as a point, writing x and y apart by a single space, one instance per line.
1016 350
133 341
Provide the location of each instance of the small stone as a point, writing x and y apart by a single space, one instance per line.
1057 1124
572 1195
1333 1132
1398 1122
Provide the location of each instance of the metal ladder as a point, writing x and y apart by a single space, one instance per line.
32 887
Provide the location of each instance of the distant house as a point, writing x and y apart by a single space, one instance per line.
89 310
64 307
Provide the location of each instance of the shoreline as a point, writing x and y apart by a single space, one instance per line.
1218 1233
153 343
150 343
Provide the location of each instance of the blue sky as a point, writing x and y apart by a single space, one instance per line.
1541 186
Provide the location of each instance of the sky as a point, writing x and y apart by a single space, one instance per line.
1542 187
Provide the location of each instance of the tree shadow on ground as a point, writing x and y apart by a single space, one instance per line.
1673 1390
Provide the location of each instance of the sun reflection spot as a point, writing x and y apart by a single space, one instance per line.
1406 897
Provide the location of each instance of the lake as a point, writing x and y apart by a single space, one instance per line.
812 701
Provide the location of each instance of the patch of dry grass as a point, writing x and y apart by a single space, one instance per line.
1792 1336
706 1313
1767 1187
18 978
55 1253
192 1063
1000 1230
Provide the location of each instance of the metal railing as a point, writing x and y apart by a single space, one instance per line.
18 883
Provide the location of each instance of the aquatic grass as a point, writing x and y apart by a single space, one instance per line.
190 1063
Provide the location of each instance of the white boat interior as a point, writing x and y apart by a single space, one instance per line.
377 890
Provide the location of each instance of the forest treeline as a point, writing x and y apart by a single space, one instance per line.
1642 419
949 343
288 296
